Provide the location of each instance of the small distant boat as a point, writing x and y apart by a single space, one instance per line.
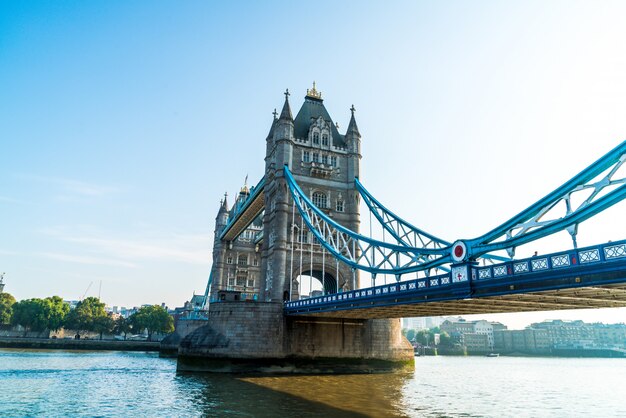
493 355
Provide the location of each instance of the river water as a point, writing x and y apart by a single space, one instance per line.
73 383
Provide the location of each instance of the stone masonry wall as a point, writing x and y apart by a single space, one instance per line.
347 338
238 330
256 336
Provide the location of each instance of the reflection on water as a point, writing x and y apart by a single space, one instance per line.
301 396
62 383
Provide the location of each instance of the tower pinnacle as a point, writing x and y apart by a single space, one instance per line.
352 128
314 93
286 112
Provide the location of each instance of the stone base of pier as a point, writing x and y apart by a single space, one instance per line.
255 337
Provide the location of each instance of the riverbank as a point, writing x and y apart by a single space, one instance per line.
71 344
554 353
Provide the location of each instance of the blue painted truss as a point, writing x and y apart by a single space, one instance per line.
593 190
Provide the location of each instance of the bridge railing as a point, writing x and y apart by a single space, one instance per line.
555 261
611 251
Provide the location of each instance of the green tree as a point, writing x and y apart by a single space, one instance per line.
40 314
57 310
32 314
424 337
6 307
122 326
152 318
86 316
103 324
410 334
445 340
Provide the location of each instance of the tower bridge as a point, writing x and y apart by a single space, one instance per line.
302 219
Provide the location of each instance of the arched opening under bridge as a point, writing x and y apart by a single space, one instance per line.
314 283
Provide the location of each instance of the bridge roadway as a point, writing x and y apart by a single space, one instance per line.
591 277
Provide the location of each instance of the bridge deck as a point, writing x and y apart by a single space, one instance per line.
593 277
245 214
580 298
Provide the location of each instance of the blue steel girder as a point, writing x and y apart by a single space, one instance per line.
598 181
356 250
402 231
403 256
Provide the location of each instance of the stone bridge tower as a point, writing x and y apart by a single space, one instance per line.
324 163
253 334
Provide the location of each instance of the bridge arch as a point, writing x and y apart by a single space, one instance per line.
319 280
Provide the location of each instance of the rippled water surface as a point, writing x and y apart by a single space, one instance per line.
63 383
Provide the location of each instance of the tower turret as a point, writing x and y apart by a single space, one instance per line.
353 143
222 216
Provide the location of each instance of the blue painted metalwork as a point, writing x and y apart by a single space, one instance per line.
356 250
414 250
606 259
404 232
401 230
528 225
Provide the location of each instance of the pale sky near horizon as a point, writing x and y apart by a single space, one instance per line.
123 123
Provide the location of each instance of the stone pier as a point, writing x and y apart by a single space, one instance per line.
255 337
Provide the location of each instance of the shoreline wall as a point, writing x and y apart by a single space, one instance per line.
67 344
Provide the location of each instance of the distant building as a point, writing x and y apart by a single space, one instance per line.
543 337
420 323
414 323
526 341
610 334
475 335
567 333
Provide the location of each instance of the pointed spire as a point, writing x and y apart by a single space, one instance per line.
286 112
352 128
224 203
270 135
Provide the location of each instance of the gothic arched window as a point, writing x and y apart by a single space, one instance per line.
316 138
319 200
325 140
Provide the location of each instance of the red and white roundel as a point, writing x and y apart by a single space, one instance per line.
459 251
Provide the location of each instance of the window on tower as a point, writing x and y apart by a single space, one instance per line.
316 138
303 237
316 157
229 259
319 200
339 206
242 260
325 140
333 161
306 156
324 159
241 280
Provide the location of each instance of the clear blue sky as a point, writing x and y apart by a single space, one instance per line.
123 123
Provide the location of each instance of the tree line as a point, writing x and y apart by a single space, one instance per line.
426 337
89 315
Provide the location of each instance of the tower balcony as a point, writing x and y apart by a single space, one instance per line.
321 170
